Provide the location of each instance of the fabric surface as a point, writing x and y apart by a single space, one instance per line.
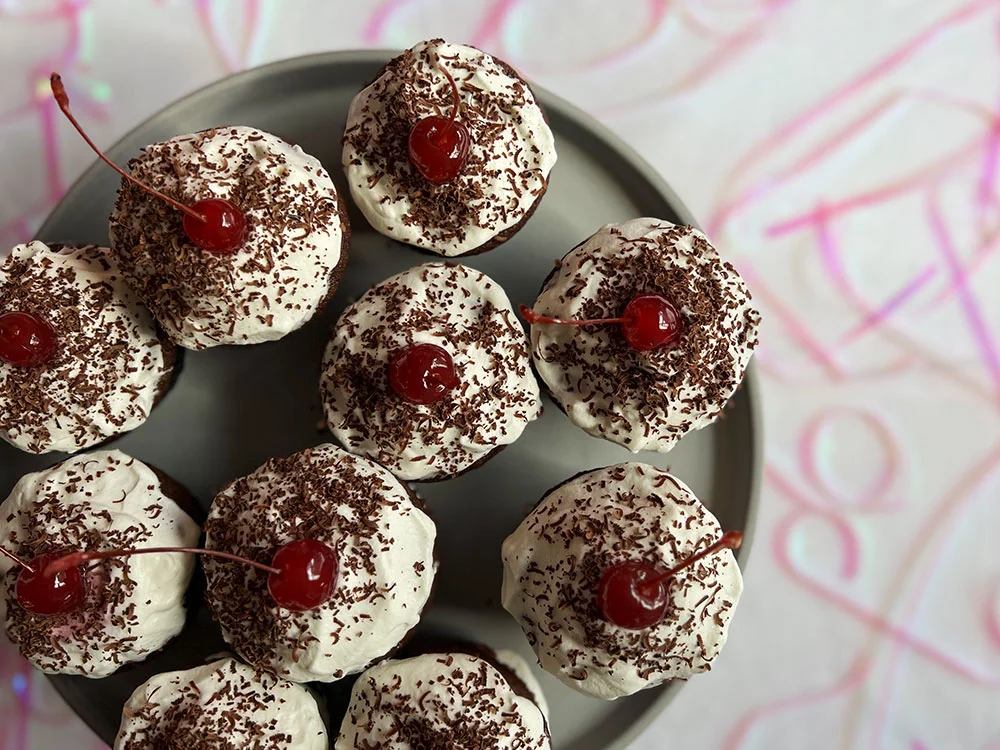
843 153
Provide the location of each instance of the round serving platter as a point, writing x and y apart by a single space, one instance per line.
233 408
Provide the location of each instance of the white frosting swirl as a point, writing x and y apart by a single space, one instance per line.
109 368
134 605
385 547
272 285
554 560
644 400
511 154
222 704
513 661
467 314
440 700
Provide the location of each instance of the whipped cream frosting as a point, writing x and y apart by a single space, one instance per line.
440 701
511 154
286 270
513 661
384 543
221 706
467 314
134 605
644 400
110 366
554 560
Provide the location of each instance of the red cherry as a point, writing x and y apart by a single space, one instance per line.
635 595
439 146
213 224
302 575
306 577
650 321
223 229
422 373
627 599
26 340
43 592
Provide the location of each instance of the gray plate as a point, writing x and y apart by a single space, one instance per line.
233 408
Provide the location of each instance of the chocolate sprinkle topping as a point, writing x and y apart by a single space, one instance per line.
461 702
99 501
466 313
554 561
110 366
644 400
356 508
506 174
286 270
244 710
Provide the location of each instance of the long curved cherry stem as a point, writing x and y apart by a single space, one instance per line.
62 99
729 540
454 89
532 317
78 558
14 558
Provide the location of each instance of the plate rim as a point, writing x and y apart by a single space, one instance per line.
585 122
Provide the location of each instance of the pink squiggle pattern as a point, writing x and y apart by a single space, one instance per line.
836 516
810 450
819 220
233 55
744 726
779 139
924 558
497 32
977 324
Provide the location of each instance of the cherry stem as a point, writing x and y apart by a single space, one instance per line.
14 558
454 89
78 558
532 317
62 99
729 540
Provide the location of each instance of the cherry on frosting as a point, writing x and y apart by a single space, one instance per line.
439 146
302 574
635 595
306 577
649 321
222 230
43 593
213 224
26 340
422 373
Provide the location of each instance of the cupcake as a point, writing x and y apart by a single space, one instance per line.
268 256
383 571
224 704
657 333
447 150
442 700
127 608
621 580
81 360
428 373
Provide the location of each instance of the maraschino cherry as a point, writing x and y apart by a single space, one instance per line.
42 593
26 340
439 146
649 321
213 224
635 595
302 575
422 373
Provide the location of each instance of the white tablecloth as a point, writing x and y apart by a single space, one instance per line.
844 154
